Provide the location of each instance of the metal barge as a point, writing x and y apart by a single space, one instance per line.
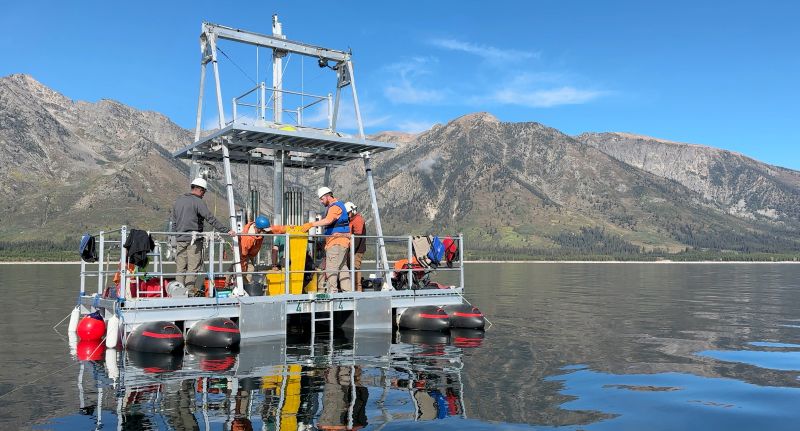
260 141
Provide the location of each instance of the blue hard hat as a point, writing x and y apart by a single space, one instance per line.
262 222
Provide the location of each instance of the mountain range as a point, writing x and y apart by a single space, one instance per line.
514 189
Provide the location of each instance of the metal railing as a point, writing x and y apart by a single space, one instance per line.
112 259
262 104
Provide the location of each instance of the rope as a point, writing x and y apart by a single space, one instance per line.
65 318
102 343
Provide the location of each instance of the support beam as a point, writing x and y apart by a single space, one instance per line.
355 100
273 42
277 187
199 126
387 282
237 267
226 164
217 83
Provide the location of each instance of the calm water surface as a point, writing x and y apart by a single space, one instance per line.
573 346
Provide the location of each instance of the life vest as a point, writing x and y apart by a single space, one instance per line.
342 224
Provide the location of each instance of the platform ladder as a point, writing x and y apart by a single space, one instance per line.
316 318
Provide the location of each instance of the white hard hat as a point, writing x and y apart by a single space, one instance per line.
199 182
350 207
322 191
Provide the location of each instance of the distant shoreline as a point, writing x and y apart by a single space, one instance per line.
660 262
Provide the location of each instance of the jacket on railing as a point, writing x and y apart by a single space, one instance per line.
138 244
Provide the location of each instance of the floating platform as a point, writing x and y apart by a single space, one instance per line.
267 316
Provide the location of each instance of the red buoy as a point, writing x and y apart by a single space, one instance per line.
91 328
90 350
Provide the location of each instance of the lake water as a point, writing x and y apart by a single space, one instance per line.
573 346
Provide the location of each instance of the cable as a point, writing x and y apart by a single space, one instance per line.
237 66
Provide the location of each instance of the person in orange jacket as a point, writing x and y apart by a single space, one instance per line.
250 242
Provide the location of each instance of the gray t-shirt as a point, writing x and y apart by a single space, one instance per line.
188 215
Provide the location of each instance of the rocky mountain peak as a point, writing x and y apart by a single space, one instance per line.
475 118
20 82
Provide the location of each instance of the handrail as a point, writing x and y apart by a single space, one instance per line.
215 257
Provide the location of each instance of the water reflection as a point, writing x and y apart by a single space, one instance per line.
349 383
573 346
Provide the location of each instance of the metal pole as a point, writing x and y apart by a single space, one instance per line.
410 264
211 291
233 108
220 108
277 187
277 70
355 99
336 99
352 264
203 63
123 262
330 112
263 101
83 278
461 257
221 254
327 181
101 263
387 283
226 163
286 262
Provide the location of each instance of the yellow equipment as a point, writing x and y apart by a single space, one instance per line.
298 248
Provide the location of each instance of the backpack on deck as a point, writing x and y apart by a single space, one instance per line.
421 245
450 251
428 250
87 248
436 253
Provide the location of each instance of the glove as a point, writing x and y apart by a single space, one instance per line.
306 227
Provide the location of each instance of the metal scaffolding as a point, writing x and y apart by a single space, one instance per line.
278 143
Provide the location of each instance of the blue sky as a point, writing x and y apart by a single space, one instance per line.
723 73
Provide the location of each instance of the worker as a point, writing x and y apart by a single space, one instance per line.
189 213
250 242
337 241
357 231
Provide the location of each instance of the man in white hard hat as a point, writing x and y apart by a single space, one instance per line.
337 241
357 231
188 216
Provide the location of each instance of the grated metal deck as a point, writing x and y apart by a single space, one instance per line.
309 148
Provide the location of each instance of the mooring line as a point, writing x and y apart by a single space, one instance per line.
102 343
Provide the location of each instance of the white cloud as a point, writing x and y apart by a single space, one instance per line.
545 98
405 88
405 92
487 52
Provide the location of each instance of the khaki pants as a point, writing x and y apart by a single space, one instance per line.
248 266
357 257
337 274
189 258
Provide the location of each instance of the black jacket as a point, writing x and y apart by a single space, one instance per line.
139 243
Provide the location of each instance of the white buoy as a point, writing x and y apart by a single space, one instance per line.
112 332
111 364
73 344
74 317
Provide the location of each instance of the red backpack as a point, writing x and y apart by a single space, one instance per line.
450 251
